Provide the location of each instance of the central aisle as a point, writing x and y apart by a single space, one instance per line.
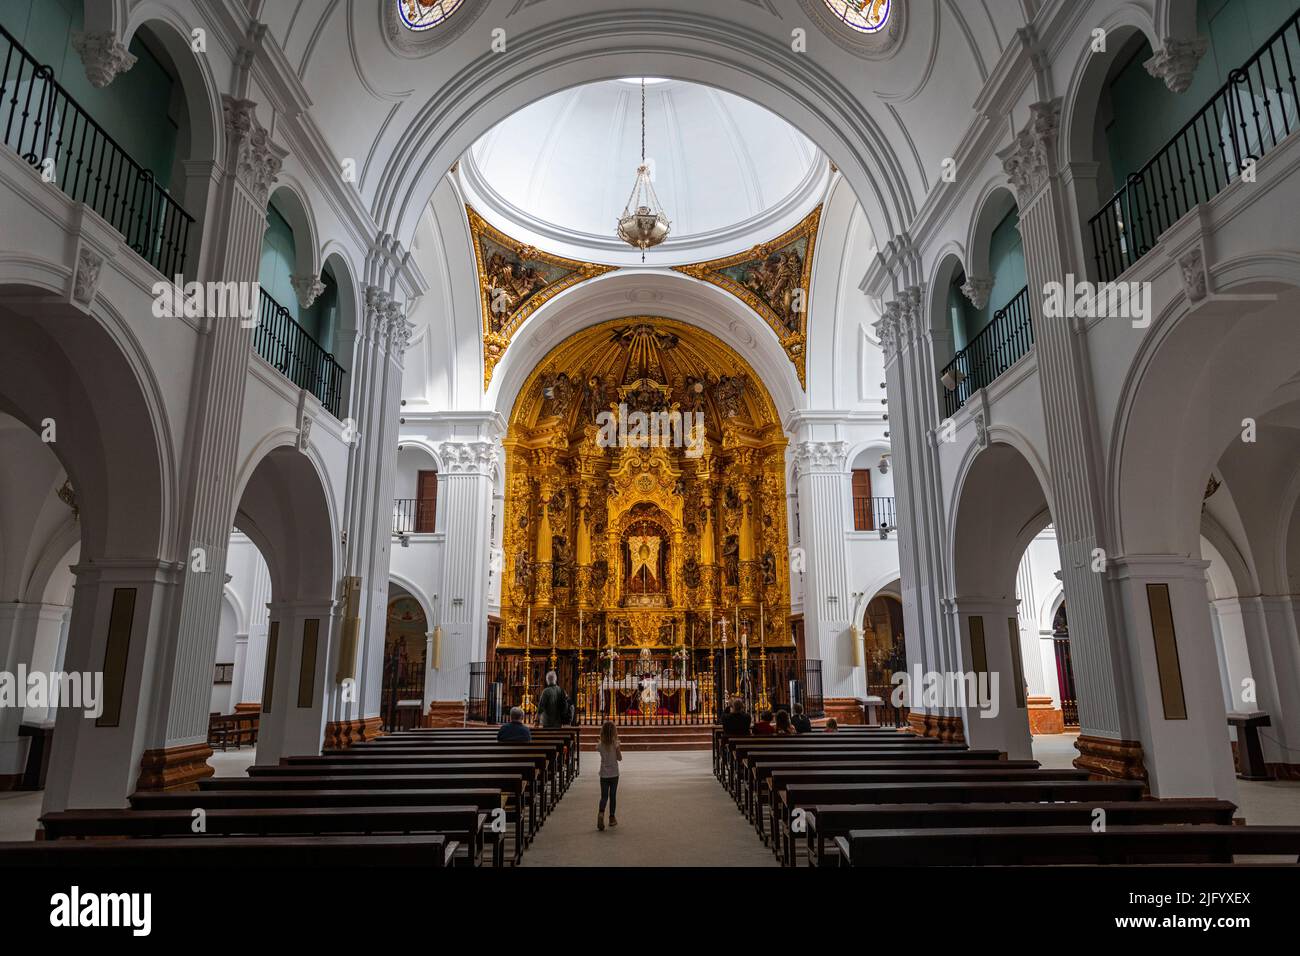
671 812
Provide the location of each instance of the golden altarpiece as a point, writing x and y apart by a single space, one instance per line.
645 532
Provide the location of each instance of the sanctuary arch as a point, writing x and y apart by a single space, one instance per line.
645 528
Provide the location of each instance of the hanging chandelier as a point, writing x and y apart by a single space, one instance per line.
643 223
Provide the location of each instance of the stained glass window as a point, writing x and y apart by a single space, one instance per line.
865 16
426 14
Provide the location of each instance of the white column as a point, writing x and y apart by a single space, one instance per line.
465 485
1275 667
1028 627
1106 703
239 670
294 723
1180 716
18 624
828 603
999 717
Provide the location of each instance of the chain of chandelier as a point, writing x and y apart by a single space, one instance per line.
643 223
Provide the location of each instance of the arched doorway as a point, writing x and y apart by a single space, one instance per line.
884 654
406 634
644 520
1065 669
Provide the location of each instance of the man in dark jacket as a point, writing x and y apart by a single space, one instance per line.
802 725
515 731
736 723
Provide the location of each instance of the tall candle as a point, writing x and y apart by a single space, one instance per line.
528 628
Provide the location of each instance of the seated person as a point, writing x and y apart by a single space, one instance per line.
802 725
832 725
515 731
764 726
735 722
783 724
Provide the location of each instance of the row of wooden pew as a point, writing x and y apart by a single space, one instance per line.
867 796
440 797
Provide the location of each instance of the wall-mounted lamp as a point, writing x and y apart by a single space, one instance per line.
952 378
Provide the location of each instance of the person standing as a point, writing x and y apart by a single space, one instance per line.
553 705
610 755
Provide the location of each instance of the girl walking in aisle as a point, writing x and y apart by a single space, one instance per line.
610 755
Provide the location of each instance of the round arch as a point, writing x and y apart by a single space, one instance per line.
288 197
682 45
995 201
669 295
1199 373
60 366
416 592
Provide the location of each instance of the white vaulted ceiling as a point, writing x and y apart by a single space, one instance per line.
729 173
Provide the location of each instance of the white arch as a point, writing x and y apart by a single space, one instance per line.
667 294
236 605
683 45
411 588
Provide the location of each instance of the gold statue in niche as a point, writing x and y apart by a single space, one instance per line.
644 535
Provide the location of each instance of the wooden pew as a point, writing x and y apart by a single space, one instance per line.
737 749
1055 845
1093 792
245 853
781 778
760 768
516 785
568 739
485 799
465 824
855 731
560 769
544 758
824 822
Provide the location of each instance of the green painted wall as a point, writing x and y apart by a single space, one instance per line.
1146 115
1007 263
139 109
278 257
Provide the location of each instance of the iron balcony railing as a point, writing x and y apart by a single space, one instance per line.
999 345
50 130
1250 114
299 357
414 515
873 514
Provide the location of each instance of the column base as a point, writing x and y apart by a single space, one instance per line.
174 768
845 710
947 728
1043 717
249 708
445 713
1108 759
342 734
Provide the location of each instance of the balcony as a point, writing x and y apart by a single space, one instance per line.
1249 115
414 516
873 514
51 131
999 345
300 358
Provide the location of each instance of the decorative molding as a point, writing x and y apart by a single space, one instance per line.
1029 160
887 329
1108 759
1195 279
977 289
103 55
758 277
397 329
175 768
824 457
466 458
258 161
85 282
342 734
307 288
981 430
499 257
1176 61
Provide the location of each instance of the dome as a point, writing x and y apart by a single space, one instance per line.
728 172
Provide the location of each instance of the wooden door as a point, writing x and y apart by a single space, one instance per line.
863 519
426 502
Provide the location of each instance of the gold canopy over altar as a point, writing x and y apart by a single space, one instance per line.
625 537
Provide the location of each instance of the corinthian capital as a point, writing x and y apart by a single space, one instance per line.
468 457
257 160
977 289
824 457
398 329
1030 160
307 288
103 55
1175 62
887 329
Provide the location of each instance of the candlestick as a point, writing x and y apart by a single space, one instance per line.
528 628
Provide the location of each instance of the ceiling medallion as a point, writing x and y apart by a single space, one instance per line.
643 223
514 280
774 279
